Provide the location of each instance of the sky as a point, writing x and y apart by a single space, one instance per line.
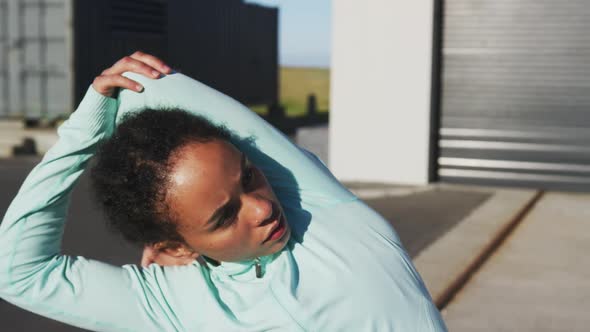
304 31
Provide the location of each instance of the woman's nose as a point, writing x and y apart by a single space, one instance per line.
257 208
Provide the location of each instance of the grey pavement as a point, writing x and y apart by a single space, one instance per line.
538 280
445 263
85 235
315 139
421 215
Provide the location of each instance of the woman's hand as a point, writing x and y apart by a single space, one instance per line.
139 62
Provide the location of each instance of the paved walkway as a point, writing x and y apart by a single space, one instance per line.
539 279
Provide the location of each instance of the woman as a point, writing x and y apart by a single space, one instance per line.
281 245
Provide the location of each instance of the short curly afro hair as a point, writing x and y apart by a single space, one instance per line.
130 172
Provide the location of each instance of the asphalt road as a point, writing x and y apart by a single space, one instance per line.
419 219
85 235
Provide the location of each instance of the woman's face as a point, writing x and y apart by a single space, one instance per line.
224 206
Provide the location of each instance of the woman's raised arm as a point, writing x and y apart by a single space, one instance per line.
296 175
33 273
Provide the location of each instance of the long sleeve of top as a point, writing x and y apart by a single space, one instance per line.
344 268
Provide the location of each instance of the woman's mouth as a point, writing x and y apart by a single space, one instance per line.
278 229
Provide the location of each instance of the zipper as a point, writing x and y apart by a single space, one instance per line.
258 267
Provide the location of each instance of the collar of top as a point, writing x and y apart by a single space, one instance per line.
243 270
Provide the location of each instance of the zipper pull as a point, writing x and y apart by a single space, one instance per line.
258 267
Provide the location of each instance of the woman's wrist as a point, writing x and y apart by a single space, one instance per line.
96 114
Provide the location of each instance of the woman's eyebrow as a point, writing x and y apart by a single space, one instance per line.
219 212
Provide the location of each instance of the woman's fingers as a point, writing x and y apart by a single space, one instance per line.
106 84
133 65
152 61
140 63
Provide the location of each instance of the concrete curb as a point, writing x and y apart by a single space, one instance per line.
9 138
448 263
371 193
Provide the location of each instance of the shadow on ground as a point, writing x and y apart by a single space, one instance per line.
421 218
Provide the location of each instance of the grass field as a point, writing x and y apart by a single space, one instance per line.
296 84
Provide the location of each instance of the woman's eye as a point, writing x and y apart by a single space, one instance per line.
228 218
248 177
226 222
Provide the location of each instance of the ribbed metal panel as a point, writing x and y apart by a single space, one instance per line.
47 63
229 45
139 16
259 39
105 31
515 100
34 59
4 64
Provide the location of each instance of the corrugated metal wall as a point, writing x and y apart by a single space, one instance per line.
229 45
204 42
34 58
515 93
105 31
48 62
4 48
259 37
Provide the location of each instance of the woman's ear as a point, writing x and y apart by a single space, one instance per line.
168 254
175 249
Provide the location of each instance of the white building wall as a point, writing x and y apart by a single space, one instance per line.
380 90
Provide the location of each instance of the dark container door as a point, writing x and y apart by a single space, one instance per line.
105 31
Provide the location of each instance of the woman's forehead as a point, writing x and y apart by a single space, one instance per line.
195 160
204 177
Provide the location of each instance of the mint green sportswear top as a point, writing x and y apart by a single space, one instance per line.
344 268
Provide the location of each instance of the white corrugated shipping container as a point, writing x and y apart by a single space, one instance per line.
36 80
